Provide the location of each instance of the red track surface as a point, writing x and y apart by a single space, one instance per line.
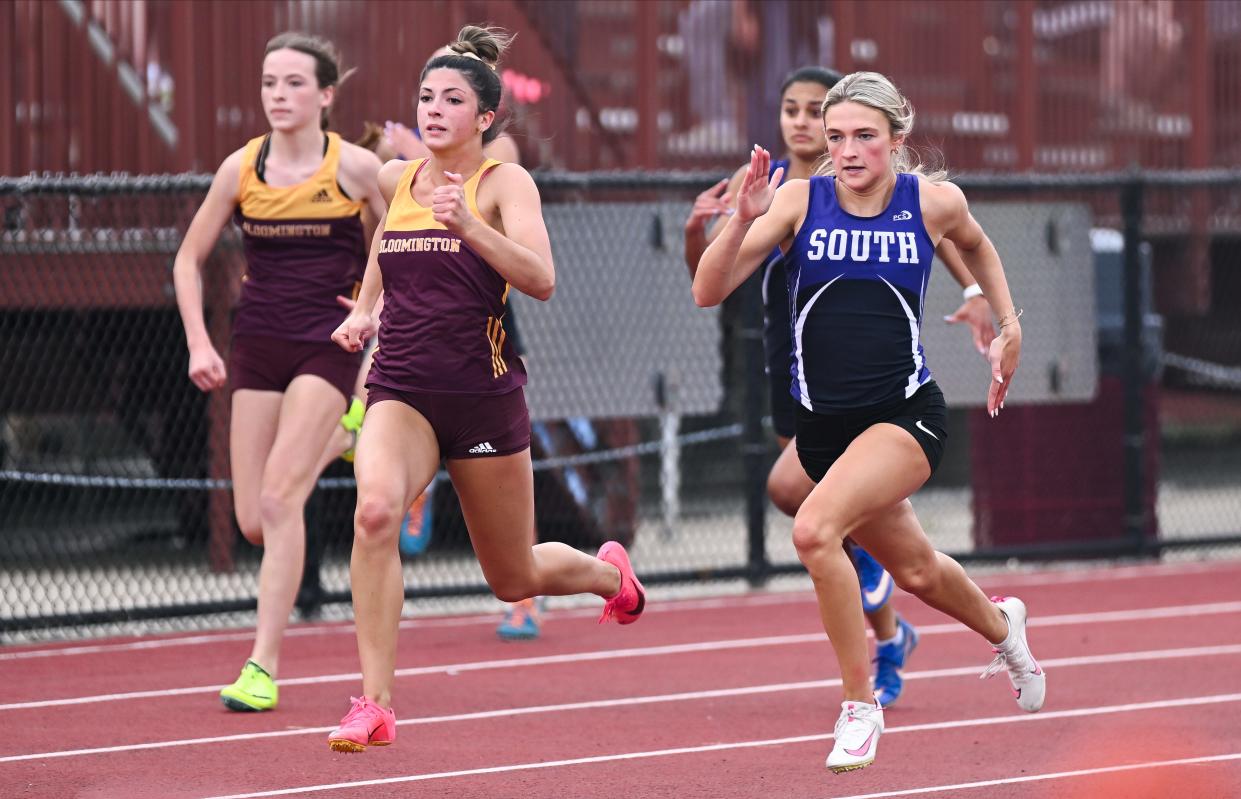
1143 670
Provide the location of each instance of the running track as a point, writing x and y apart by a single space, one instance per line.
728 697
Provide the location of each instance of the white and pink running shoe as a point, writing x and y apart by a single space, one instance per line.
857 736
1029 681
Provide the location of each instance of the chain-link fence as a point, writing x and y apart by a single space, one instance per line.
1122 433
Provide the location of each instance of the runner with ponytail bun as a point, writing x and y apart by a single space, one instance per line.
460 232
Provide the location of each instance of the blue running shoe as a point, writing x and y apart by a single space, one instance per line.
416 526
890 659
876 582
521 620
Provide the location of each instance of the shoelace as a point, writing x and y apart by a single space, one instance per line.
359 707
1000 663
1003 661
609 605
886 657
885 671
844 720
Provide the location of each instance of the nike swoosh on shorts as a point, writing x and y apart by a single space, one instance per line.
923 428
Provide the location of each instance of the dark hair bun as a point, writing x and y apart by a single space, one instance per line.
486 43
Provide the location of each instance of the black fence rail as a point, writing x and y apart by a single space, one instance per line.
1122 436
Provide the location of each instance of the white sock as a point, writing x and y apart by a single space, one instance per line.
1008 637
896 639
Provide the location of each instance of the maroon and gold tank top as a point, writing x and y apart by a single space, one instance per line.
303 244
441 330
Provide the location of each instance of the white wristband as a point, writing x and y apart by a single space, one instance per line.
971 291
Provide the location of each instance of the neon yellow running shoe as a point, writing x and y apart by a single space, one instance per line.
254 690
352 422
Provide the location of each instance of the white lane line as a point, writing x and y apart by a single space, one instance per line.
684 750
1105 573
989 582
1143 614
756 600
689 696
1057 775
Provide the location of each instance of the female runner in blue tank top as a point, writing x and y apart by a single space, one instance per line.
801 128
460 231
870 420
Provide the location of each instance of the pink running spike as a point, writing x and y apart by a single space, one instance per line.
629 602
366 724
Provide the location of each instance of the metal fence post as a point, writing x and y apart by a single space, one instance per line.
310 592
753 440
669 452
1135 304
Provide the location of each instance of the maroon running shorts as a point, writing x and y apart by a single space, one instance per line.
467 425
265 363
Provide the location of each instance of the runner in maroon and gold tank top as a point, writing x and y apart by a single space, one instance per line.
303 245
305 202
443 304
459 232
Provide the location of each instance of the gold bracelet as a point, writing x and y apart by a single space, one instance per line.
1015 314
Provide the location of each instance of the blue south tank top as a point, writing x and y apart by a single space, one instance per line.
858 289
